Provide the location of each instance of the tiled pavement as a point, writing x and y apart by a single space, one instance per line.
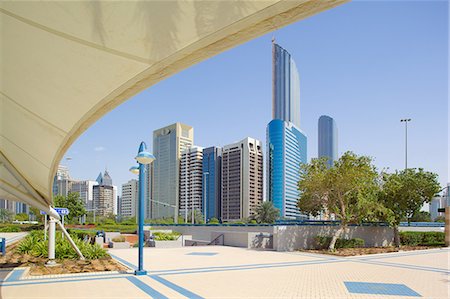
226 272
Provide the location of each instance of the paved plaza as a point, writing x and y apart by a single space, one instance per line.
227 272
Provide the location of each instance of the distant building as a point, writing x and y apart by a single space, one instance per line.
129 199
191 181
105 195
439 202
148 190
328 139
168 143
286 151
62 181
286 143
242 179
212 170
86 191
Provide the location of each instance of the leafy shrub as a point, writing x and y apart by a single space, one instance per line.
422 238
10 229
213 220
119 239
82 233
323 242
161 236
35 245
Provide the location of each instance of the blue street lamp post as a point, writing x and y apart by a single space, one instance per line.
143 158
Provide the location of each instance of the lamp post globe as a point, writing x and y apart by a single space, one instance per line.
143 156
134 169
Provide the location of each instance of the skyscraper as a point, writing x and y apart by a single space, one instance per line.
105 196
242 179
328 139
85 190
212 170
168 143
286 143
191 195
286 87
286 152
129 199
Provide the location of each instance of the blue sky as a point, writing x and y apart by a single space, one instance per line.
367 64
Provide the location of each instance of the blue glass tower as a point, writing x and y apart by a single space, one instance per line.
286 143
212 169
328 139
286 152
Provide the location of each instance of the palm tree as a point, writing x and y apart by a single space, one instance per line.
266 213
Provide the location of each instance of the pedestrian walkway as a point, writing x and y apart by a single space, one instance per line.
227 272
12 237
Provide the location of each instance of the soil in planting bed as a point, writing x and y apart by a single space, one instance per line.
37 266
369 250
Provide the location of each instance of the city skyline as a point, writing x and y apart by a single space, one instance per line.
331 81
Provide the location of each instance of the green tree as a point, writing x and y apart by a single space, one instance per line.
37 213
21 217
348 189
72 202
440 219
198 217
266 213
5 215
421 216
404 193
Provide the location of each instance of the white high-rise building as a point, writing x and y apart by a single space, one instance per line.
191 178
105 195
86 191
242 179
168 143
129 199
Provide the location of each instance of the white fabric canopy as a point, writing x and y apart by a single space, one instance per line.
65 64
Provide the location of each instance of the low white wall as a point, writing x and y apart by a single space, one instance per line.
285 238
288 238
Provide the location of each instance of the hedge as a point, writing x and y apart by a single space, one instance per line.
323 242
422 238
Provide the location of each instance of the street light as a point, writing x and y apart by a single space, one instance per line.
143 158
406 120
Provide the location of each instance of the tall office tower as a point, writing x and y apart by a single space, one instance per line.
328 139
129 199
191 181
286 143
148 190
105 196
286 86
242 179
86 191
168 143
286 152
212 171
62 181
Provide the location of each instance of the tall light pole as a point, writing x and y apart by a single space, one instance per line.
204 193
143 158
406 120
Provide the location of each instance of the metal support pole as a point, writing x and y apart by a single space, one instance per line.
406 120
45 227
62 225
140 270
74 246
51 242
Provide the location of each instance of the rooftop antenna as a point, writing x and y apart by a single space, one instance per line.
273 39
